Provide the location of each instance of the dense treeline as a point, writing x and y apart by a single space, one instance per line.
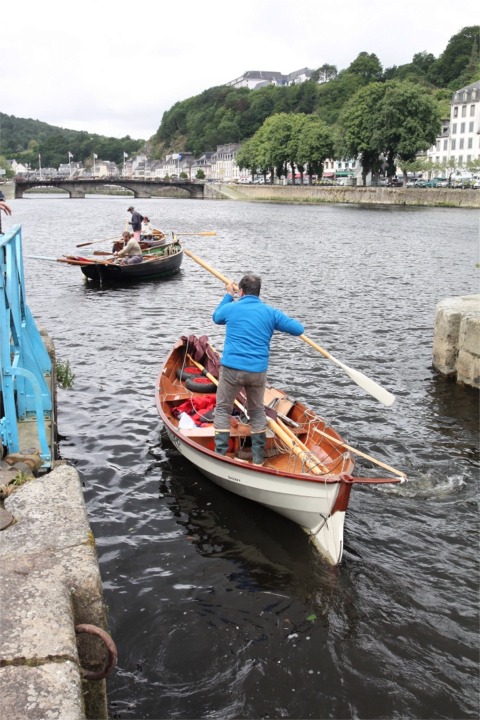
25 139
223 114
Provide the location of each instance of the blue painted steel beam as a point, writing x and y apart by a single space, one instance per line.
25 363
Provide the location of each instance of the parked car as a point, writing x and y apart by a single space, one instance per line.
420 183
462 182
436 182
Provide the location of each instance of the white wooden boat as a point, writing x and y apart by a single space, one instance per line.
307 474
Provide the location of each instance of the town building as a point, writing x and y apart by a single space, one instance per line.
458 142
254 79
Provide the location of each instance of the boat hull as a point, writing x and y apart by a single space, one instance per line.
308 504
157 267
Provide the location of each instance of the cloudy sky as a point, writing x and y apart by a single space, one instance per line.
114 68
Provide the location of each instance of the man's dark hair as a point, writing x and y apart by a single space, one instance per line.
250 284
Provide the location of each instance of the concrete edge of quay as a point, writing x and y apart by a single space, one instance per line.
49 584
456 340
427 197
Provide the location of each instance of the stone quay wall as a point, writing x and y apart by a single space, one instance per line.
430 197
456 341
49 585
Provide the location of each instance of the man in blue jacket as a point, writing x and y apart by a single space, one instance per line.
250 325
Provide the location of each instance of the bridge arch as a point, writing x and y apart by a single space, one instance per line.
76 188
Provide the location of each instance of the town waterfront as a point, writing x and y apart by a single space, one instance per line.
218 608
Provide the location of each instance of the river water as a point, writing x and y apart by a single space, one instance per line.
219 608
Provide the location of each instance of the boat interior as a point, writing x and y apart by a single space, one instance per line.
298 441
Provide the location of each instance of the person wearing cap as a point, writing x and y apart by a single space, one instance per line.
136 223
250 324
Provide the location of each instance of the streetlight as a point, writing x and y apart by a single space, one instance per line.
95 157
125 155
70 156
39 166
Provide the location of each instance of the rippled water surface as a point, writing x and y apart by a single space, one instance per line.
219 608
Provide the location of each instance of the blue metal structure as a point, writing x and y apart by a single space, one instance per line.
25 365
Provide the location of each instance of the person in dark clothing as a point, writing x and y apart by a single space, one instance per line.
136 223
244 362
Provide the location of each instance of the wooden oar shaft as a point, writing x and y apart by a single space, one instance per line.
293 445
210 269
301 445
316 347
367 384
94 242
359 452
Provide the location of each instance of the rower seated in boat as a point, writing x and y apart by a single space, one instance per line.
150 236
131 253
120 244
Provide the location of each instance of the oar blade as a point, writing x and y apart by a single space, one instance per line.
370 386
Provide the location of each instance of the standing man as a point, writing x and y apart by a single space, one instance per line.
136 223
244 362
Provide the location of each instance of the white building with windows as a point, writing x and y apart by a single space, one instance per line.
459 140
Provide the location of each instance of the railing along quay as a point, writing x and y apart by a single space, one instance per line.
26 370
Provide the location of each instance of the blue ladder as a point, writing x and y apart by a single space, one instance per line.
25 365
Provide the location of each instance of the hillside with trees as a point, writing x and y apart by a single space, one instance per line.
224 114
25 139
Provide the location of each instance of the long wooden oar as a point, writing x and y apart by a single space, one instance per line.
94 242
360 453
370 386
295 445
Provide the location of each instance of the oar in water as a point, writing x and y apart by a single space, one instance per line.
370 386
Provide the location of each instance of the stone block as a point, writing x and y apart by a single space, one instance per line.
468 368
456 342
39 623
52 690
469 336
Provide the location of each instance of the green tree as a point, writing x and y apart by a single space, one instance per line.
456 57
367 67
358 131
407 121
324 73
315 145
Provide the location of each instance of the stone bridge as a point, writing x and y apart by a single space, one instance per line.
76 188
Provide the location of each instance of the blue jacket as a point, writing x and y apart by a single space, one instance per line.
250 326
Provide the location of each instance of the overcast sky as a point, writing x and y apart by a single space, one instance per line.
114 68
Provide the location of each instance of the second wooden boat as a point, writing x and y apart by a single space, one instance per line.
158 262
